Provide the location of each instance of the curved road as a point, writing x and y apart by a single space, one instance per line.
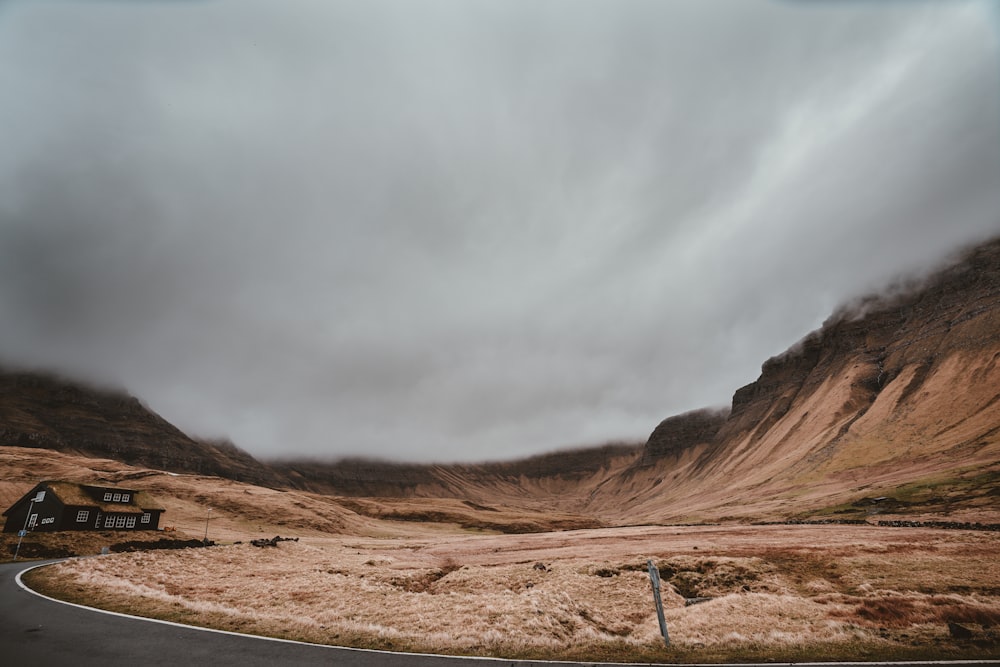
37 631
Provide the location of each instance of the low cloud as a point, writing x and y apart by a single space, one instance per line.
465 231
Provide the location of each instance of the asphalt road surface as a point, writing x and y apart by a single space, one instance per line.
35 631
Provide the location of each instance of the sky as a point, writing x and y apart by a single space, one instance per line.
454 230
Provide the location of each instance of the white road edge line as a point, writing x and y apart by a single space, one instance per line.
17 578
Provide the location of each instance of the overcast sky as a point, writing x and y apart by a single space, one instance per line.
470 230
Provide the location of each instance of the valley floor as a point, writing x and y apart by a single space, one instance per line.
774 592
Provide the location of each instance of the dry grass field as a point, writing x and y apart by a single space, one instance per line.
777 592
453 583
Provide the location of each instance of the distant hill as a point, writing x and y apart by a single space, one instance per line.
42 410
892 407
556 482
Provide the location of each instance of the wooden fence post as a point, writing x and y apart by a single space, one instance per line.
654 578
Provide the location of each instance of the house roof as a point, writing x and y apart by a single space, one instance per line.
75 494
72 493
146 502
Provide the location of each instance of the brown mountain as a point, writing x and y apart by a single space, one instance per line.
361 477
896 395
44 411
892 406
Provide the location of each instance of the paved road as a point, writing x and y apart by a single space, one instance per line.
35 631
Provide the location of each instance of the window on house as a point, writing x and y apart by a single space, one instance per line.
130 523
109 521
125 497
117 498
120 521
146 517
82 516
107 497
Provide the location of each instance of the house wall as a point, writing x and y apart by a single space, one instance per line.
48 515
154 521
71 513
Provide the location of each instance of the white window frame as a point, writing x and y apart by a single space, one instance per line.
117 498
109 520
120 521
125 497
32 521
107 497
146 517
131 522
82 516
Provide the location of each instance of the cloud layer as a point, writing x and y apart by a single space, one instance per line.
461 231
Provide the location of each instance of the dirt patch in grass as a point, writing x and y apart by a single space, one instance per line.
903 610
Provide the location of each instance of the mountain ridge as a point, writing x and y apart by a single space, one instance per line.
893 391
44 410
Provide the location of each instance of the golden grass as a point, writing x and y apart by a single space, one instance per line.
363 579
778 592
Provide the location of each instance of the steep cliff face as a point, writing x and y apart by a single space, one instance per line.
891 390
43 411
674 435
878 340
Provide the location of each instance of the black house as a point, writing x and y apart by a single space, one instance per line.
56 505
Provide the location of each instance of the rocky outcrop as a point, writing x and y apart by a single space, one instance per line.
892 389
675 434
877 337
